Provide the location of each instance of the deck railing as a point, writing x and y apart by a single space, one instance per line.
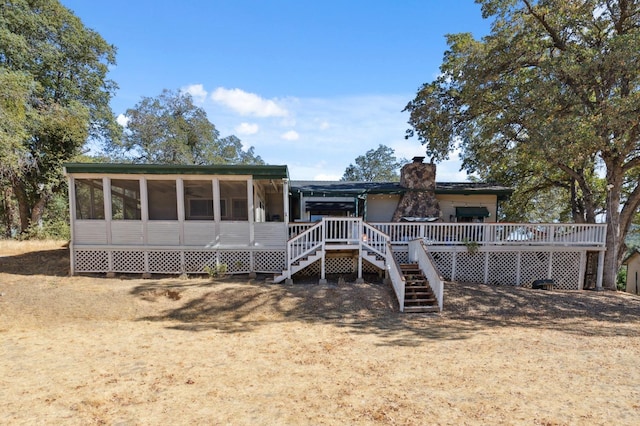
566 234
548 234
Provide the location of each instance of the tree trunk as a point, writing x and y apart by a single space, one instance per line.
615 233
38 209
7 207
23 204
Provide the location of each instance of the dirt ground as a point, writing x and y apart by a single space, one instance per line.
128 351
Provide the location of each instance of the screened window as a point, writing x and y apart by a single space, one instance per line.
233 200
162 200
198 200
125 199
89 199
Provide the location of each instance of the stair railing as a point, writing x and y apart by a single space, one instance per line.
375 240
395 275
418 253
304 244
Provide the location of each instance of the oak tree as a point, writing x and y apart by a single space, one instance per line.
376 165
549 100
171 129
54 96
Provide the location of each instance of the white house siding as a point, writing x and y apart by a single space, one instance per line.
200 233
163 233
380 207
270 234
449 202
127 232
633 274
90 232
234 234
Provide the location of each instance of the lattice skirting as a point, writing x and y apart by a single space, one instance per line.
338 265
177 261
511 267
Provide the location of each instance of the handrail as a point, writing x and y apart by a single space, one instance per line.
395 275
303 244
374 240
418 253
554 234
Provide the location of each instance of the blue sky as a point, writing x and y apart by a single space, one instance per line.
309 84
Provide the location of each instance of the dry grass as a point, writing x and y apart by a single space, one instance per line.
90 350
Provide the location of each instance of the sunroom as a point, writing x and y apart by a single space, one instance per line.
166 218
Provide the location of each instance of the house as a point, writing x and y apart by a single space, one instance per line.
633 269
173 219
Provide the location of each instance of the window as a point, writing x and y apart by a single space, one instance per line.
162 200
125 199
233 200
198 200
223 209
89 199
200 209
240 209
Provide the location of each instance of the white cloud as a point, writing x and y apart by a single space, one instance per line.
196 91
122 120
291 135
324 125
247 129
248 103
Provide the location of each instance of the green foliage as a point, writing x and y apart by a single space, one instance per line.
54 94
547 103
376 165
472 246
170 129
219 270
621 279
54 224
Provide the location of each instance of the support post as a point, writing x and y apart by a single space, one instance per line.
600 271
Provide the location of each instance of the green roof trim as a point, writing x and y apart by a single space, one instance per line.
257 171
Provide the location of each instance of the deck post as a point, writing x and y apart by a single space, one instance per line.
323 266
600 271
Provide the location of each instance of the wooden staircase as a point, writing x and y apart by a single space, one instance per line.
418 296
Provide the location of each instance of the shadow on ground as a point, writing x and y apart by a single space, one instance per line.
45 262
241 305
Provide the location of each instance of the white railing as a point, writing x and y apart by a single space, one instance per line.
339 230
375 240
566 234
395 275
418 253
304 244
297 228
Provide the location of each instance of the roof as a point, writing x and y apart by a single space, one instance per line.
631 255
341 188
257 171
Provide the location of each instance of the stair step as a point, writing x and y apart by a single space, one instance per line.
425 300
421 309
420 289
419 293
409 265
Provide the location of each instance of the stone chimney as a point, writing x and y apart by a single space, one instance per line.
419 200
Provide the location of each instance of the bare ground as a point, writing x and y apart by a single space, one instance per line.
127 351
